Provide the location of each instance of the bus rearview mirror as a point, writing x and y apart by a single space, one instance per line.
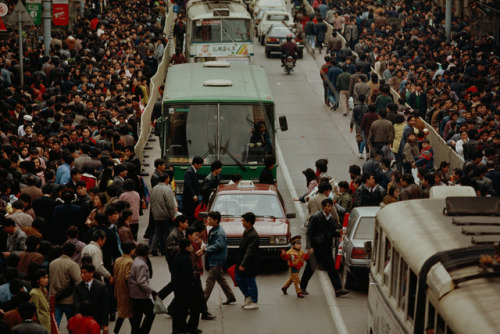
283 123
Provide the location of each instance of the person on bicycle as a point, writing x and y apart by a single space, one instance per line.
288 48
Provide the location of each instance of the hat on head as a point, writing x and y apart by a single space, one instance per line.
27 118
295 239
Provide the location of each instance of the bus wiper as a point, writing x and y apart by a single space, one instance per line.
264 216
211 148
225 32
225 151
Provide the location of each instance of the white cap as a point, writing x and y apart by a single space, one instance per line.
27 118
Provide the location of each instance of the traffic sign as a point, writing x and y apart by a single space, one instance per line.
34 8
3 28
19 14
3 9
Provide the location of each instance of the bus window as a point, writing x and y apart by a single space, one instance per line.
375 247
387 261
430 316
380 252
193 130
221 30
440 326
394 274
403 285
412 294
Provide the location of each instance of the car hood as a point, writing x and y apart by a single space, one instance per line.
264 227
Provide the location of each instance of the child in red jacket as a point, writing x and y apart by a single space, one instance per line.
295 257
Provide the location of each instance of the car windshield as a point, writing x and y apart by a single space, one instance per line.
238 204
365 228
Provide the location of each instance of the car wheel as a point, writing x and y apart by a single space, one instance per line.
262 40
300 54
268 54
347 278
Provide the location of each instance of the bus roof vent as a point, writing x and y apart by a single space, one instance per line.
217 83
217 63
472 206
446 191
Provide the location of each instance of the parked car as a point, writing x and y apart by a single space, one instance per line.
269 4
273 18
355 262
276 35
266 203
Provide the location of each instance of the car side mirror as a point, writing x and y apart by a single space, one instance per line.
203 214
368 248
283 123
291 215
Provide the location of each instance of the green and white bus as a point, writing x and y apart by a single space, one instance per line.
428 273
212 110
218 30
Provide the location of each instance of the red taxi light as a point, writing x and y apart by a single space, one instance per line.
359 253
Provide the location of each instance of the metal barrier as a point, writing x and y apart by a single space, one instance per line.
442 152
156 81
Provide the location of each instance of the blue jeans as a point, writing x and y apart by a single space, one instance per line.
248 286
310 41
63 309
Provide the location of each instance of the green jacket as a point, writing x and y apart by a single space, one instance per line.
382 101
343 81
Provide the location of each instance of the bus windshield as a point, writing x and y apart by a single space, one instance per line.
221 30
235 134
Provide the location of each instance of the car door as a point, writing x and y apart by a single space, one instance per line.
347 244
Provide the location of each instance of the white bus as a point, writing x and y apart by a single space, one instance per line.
425 272
218 30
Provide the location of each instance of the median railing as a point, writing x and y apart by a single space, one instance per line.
442 152
156 81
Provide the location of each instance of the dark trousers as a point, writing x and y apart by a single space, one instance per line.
142 307
167 289
134 228
323 257
186 302
119 323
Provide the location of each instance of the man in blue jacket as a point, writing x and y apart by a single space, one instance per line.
216 253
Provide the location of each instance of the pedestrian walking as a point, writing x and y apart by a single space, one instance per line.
248 264
141 292
215 257
163 210
321 231
171 250
186 297
343 85
310 32
121 274
295 257
321 29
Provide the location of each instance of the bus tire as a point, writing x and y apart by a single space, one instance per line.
346 278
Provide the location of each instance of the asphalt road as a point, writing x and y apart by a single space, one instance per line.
314 132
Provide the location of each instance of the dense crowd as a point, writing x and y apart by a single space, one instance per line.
453 86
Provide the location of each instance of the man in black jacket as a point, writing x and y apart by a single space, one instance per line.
94 291
322 228
248 264
186 298
191 189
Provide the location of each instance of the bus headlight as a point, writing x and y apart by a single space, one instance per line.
278 240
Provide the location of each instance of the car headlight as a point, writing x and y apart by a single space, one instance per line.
278 240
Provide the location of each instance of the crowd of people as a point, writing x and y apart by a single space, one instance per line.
452 86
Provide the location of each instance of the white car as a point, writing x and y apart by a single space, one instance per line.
269 4
273 18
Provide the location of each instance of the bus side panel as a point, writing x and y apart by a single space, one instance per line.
381 319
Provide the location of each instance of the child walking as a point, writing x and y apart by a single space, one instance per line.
295 257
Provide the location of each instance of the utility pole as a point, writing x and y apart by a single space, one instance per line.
448 20
47 27
21 17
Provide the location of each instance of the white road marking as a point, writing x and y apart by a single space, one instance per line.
323 277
